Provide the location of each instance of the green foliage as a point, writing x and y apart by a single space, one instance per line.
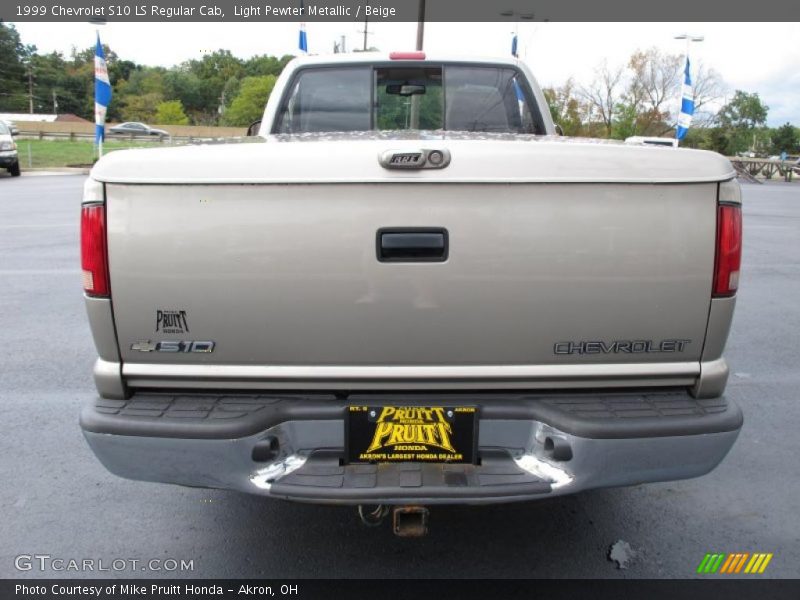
141 108
265 65
197 100
565 108
624 124
740 126
248 106
219 87
200 86
171 113
785 138
12 70
744 111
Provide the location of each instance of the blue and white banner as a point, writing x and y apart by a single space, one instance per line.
303 41
517 89
102 92
687 104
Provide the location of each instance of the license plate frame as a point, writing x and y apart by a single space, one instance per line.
393 433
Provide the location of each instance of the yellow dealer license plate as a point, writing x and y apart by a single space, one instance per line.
411 434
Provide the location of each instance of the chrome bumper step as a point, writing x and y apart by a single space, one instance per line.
322 476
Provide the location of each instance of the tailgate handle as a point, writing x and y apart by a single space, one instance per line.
412 244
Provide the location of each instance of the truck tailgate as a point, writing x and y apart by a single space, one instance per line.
287 274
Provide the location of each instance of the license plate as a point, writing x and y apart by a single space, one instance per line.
411 434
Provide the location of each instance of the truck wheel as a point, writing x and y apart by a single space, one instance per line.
14 169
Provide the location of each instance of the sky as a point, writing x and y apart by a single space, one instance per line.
754 57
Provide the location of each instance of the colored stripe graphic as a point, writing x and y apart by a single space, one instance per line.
741 562
734 562
765 563
711 563
732 559
701 568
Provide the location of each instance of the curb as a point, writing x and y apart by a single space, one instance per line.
43 171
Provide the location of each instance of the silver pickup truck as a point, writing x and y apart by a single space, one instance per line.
407 291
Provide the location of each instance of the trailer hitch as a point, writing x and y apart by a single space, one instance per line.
410 521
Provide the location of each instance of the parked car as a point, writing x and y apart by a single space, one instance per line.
9 158
409 291
12 128
135 128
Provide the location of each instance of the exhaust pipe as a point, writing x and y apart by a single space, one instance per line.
410 521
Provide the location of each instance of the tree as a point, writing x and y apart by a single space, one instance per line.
785 139
744 111
215 70
565 108
141 108
171 113
653 84
13 91
707 89
265 65
625 125
743 120
602 95
198 101
248 106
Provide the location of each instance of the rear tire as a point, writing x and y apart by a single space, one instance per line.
14 169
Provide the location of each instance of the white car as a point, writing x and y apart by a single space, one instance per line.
9 159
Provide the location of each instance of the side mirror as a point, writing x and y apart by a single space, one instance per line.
252 130
559 130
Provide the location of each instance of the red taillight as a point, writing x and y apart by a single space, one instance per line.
406 56
94 254
729 250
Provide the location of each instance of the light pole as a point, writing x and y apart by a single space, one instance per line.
689 39
420 25
685 118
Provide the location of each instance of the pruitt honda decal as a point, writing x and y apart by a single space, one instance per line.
411 425
411 433
171 321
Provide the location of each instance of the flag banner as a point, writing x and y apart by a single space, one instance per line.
102 92
687 104
303 41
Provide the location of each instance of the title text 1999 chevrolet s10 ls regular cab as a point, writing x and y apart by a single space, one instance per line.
409 291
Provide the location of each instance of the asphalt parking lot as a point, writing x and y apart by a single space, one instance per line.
57 500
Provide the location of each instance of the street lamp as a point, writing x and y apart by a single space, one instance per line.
689 39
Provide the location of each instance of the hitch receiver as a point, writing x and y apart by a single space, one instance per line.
410 521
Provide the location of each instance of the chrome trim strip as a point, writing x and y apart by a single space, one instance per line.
411 373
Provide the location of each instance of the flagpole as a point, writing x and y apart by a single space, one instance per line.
100 141
102 86
687 74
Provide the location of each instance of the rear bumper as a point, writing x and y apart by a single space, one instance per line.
530 446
